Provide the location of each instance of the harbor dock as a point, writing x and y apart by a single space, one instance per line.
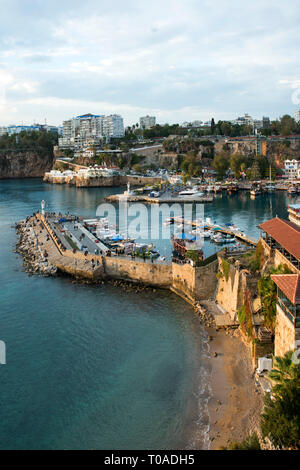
165 199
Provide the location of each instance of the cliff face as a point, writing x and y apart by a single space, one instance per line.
281 151
24 164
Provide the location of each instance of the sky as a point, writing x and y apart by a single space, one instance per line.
179 60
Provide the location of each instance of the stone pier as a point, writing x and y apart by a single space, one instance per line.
191 283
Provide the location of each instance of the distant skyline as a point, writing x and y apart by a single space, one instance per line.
178 60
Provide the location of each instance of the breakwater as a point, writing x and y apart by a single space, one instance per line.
115 198
48 256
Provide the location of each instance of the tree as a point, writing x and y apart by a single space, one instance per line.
284 372
236 161
250 443
213 126
225 128
267 291
256 172
287 125
221 164
280 420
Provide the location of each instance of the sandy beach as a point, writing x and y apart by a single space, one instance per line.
236 401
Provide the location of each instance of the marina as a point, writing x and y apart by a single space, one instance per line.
111 303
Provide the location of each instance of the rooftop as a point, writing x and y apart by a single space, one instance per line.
289 284
285 233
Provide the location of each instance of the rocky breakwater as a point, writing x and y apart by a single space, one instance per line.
205 316
34 255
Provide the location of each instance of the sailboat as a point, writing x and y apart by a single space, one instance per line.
270 188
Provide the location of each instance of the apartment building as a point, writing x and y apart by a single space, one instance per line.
146 122
87 128
292 169
297 116
17 129
113 126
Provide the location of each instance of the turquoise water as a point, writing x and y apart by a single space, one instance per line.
99 367
92 367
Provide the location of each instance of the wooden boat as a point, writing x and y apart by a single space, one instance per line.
180 246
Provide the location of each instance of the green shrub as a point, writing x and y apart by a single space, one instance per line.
226 268
280 420
267 291
250 443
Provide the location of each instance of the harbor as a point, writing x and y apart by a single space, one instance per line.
122 275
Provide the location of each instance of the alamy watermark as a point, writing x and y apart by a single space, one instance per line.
154 222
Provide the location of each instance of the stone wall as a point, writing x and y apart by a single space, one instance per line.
149 151
231 291
276 257
183 280
206 281
280 259
154 274
102 181
285 333
195 283
191 283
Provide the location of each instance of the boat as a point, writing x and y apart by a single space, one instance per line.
202 233
169 221
216 236
256 191
292 190
194 192
217 189
223 240
182 244
154 194
232 188
270 188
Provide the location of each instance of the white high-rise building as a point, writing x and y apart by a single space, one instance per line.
297 116
147 122
90 129
113 126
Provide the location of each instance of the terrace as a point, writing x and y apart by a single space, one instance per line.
284 236
288 296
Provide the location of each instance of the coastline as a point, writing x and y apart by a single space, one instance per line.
236 401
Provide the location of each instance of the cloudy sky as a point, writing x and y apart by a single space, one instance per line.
176 59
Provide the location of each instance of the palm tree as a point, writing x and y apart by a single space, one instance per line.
284 372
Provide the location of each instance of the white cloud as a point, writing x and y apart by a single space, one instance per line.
171 58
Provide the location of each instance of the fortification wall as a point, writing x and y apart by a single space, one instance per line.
154 274
231 289
195 283
191 283
206 281
183 280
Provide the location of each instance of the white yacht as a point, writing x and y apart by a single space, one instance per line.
194 192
